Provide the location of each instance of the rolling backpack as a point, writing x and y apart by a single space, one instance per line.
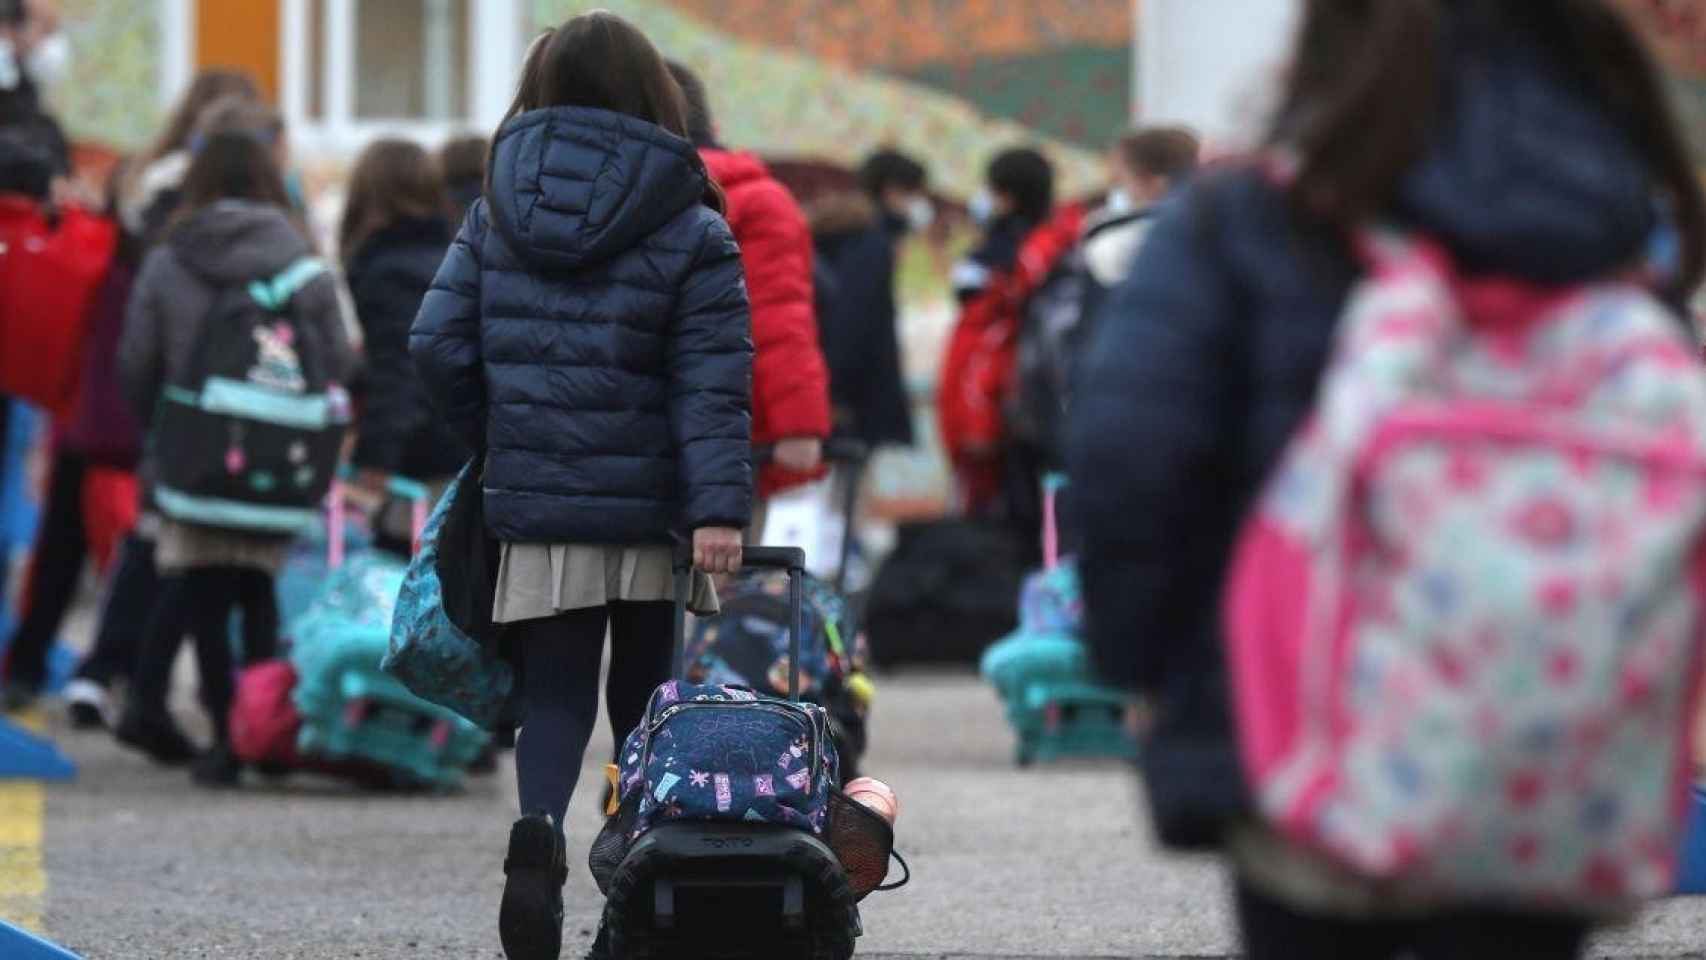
747 645
1055 703
728 835
1464 616
248 437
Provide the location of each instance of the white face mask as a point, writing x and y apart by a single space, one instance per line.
920 213
1120 202
50 61
982 208
10 75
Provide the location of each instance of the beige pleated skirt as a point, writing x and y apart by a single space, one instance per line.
545 579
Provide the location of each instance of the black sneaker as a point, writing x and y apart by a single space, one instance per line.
530 922
158 737
218 768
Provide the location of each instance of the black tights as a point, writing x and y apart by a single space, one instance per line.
199 602
1273 931
559 663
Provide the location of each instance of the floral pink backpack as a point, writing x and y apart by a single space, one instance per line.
1465 616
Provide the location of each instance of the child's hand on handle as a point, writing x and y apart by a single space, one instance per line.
799 454
717 549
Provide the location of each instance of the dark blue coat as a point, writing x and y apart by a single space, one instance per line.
857 328
1206 361
589 331
388 276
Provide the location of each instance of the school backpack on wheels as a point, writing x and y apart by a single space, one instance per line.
330 707
1042 670
720 843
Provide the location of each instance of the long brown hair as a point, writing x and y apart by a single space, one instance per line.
231 165
394 180
600 60
208 87
1363 100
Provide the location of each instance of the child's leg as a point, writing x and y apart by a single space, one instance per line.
151 678
258 596
124 614
641 652
560 658
212 597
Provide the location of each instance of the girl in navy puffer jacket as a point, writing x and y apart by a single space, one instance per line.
1531 139
589 333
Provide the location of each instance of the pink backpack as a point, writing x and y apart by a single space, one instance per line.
1465 617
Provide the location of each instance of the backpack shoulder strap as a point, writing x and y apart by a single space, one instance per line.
275 294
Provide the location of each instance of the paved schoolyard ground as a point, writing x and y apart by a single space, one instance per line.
1048 862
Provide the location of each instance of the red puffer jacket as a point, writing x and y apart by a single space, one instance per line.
977 371
790 382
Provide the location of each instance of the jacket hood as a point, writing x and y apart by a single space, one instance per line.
1525 174
573 186
238 240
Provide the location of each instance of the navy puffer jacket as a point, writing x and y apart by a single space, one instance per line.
1206 361
589 331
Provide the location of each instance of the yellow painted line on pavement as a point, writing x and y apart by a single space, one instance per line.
23 877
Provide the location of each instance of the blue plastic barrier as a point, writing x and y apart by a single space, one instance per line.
16 944
1692 879
19 515
25 756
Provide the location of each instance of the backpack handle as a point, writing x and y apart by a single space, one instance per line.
791 559
336 509
1053 483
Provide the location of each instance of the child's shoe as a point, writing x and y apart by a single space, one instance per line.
158 737
530 922
218 768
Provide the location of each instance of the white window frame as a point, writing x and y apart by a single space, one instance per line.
495 28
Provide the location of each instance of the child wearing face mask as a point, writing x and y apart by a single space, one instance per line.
1024 238
1145 165
857 239
34 155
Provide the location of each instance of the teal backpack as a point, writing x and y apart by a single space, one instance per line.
1042 670
351 708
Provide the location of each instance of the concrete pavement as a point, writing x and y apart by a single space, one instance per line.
1048 862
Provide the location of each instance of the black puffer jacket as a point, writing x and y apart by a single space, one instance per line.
589 330
1207 358
388 277
857 322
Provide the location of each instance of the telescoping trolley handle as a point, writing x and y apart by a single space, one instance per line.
791 559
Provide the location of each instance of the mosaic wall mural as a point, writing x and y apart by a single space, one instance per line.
953 82
111 97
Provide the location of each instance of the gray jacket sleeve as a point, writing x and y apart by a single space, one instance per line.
142 349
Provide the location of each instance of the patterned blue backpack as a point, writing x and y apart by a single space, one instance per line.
719 753
436 649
